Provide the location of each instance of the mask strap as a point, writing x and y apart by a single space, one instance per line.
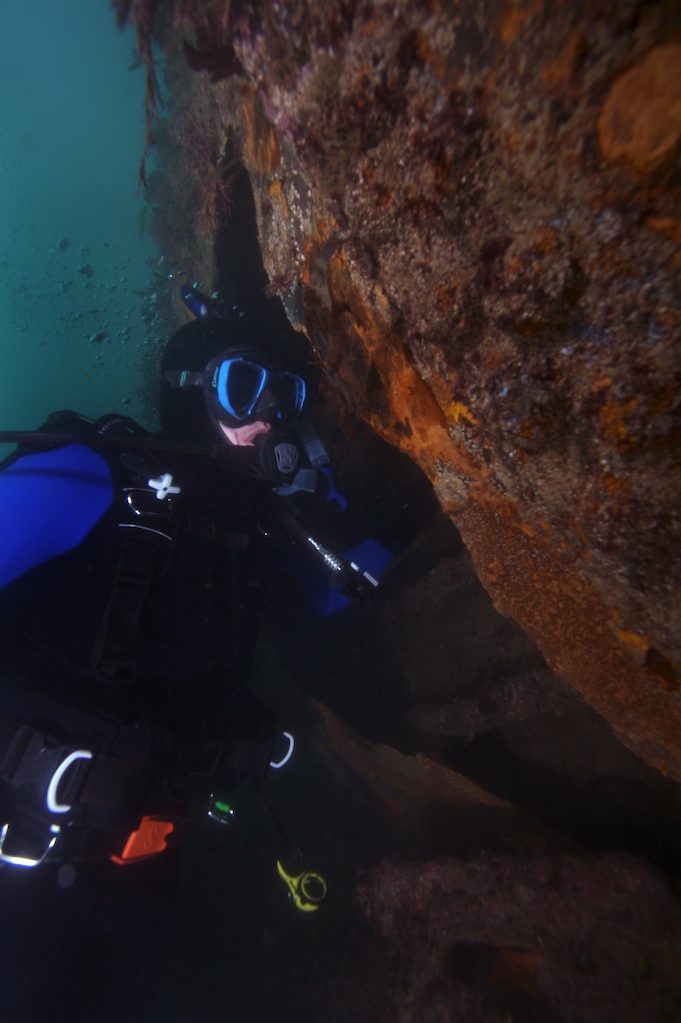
186 378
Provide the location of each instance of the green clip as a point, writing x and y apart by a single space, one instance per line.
220 811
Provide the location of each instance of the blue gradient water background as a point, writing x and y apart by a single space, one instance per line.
73 263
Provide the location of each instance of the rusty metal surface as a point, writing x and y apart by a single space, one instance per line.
473 213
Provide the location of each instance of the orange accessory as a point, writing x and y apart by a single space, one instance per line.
149 839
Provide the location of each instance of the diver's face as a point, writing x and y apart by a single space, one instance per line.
243 436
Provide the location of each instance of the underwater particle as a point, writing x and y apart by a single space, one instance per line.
86 270
125 401
63 244
100 337
66 875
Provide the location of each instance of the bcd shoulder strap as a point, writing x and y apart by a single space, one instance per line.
142 539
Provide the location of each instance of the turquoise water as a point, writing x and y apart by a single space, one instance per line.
73 264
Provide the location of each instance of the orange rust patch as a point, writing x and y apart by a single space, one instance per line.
612 417
601 382
442 388
276 192
398 403
546 240
670 227
512 24
381 299
641 119
410 402
561 69
454 410
446 295
536 528
319 235
514 18
636 641
615 485
309 253
441 169
261 146
515 266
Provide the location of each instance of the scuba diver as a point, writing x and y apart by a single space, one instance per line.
133 573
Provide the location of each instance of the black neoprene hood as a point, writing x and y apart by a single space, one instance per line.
184 411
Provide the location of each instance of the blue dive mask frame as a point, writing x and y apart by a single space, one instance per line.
289 388
239 389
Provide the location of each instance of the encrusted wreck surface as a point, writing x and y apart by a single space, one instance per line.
472 211
501 945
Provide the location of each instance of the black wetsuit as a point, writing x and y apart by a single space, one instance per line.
92 950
